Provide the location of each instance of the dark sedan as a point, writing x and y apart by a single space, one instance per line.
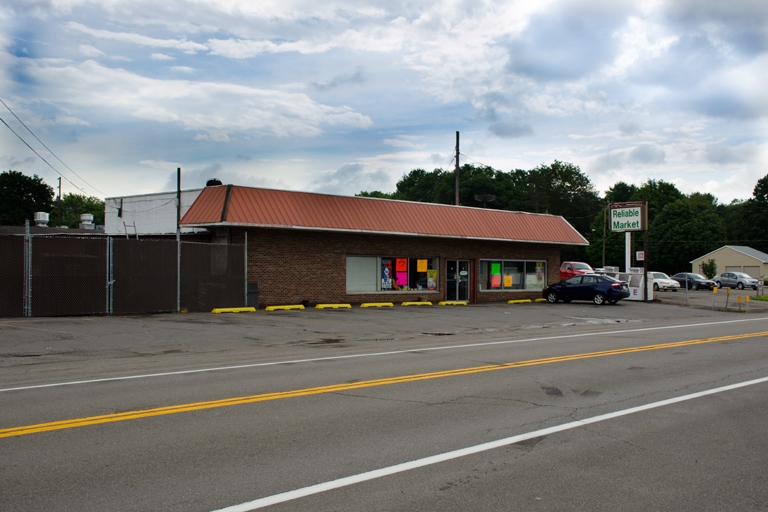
598 289
694 281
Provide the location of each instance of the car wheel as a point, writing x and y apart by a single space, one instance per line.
599 299
655 287
717 283
674 289
694 286
740 286
551 297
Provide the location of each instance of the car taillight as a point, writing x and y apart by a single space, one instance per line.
616 285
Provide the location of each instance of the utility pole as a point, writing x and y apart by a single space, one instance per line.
59 223
457 168
178 199
605 212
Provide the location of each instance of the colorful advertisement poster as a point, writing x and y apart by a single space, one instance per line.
507 281
495 275
421 265
431 279
402 264
386 274
401 279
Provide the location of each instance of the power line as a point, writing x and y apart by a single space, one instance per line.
41 157
47 148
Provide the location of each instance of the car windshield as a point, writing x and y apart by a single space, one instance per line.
698 276
581 266
611 279
660 275
743 276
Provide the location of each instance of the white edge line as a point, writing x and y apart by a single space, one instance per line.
435 459
373 354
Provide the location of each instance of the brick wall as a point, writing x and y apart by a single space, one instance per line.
292 266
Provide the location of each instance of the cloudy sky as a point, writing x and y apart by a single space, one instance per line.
343 96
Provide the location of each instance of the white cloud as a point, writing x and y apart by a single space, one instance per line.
90 51
183 69
216 109
405 141
645 88
138 39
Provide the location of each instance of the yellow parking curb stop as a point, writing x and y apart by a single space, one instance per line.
216 311
284 308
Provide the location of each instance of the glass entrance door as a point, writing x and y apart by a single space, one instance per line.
457 280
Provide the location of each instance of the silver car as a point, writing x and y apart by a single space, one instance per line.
738 280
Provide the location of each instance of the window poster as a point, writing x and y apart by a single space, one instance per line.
495 275
386 274
421 265
431 279
507 281
401 265
401 279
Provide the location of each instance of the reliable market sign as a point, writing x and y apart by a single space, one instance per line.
629 216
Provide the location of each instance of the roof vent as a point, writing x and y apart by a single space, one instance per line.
212 182
86 221
41 219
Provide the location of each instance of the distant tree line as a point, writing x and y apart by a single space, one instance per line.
22 196
681 227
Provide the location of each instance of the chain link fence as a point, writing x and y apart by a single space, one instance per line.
64 275
12 263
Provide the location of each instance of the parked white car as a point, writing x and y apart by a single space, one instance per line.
738 280
662 281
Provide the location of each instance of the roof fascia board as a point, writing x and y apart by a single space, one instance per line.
367 232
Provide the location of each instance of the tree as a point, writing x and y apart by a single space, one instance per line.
683 231
75 205
21 196
709 268
562 189
658 194
376 193
746 220
620 192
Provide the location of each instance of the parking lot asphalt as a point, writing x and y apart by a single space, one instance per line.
724 299
125 343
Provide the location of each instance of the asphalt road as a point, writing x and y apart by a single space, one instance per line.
638 406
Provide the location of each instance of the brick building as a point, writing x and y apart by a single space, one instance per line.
317 248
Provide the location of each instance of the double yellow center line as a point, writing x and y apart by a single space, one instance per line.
212 404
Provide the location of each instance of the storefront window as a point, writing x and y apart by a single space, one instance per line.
391 273
512 275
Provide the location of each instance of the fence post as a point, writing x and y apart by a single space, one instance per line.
178 271
110 276
27 270
246 270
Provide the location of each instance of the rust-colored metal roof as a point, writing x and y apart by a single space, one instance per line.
230 205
